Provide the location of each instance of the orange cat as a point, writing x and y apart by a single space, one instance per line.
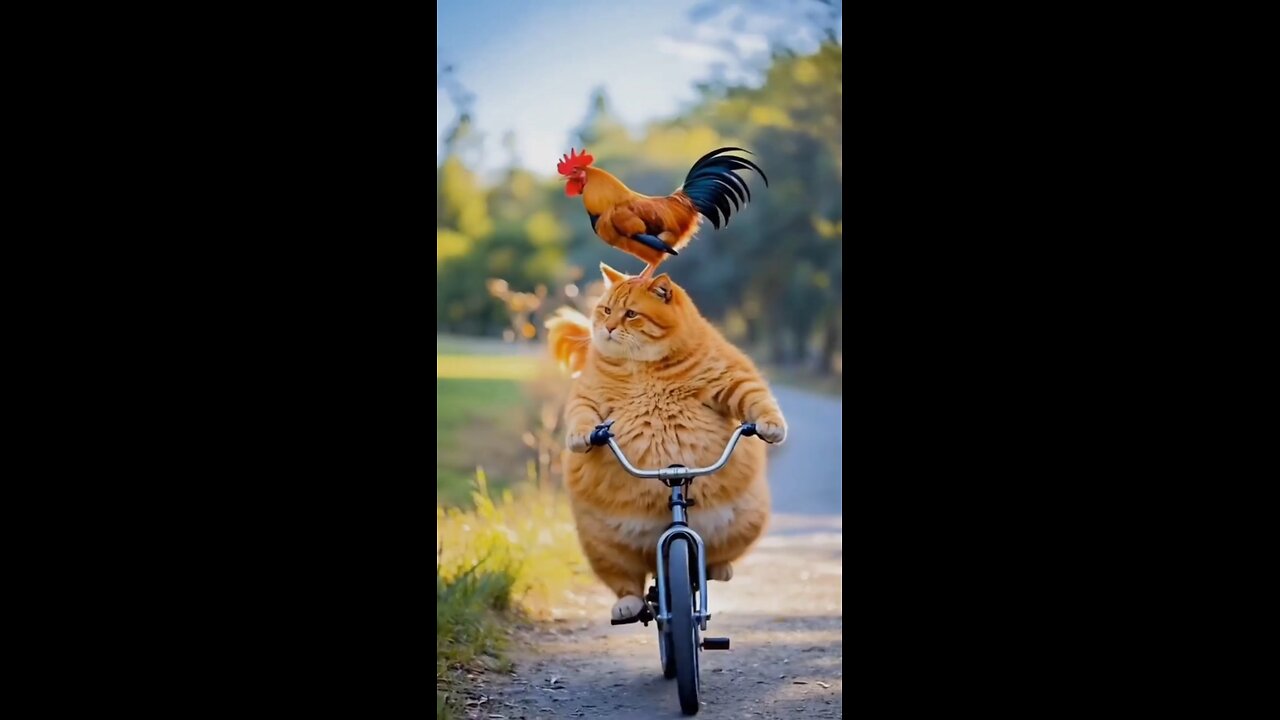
676 390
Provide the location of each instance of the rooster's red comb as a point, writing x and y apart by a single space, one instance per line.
572 162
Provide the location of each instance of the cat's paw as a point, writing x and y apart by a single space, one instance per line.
720 571
773 430
627 607
579 441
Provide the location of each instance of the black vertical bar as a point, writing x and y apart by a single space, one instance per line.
677 505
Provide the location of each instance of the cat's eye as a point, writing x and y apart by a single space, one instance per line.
607 310
631 314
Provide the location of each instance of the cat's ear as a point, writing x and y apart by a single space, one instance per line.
611 277
662 287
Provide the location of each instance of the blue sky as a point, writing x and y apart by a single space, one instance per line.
532 64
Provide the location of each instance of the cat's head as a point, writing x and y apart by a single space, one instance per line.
639 319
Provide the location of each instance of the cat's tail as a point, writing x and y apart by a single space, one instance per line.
569 337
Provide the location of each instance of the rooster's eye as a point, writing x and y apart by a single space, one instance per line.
607 310
631 313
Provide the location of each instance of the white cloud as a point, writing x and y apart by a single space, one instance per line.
751 43
691 51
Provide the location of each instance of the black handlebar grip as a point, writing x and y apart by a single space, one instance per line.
600 436
748 429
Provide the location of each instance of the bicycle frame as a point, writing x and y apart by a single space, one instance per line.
678 477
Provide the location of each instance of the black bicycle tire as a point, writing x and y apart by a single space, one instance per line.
684 637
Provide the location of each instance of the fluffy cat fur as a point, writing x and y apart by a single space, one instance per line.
676 390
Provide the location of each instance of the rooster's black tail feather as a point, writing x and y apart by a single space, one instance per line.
712 184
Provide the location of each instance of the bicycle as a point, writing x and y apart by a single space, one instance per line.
679 600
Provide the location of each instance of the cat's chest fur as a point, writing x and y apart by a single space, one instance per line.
666 422
659 401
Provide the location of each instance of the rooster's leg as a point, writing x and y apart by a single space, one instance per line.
652 242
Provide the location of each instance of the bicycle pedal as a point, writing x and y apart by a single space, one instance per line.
643 616
715 643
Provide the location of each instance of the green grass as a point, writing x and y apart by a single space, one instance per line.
469 628
482 413
488 410
450 345
478 423
513 555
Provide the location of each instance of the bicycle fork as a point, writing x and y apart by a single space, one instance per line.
680 528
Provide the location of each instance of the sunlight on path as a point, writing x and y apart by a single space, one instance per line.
485 367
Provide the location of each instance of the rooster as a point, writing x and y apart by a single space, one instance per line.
651 228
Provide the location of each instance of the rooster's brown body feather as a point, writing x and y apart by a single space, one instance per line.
651 228
621 214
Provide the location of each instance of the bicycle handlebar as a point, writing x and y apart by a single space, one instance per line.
602 436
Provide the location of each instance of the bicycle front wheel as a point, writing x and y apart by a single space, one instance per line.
684 630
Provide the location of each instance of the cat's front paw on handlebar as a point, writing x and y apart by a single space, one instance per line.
579 440
583 439
772 430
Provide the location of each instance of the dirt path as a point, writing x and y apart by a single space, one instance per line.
782 611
